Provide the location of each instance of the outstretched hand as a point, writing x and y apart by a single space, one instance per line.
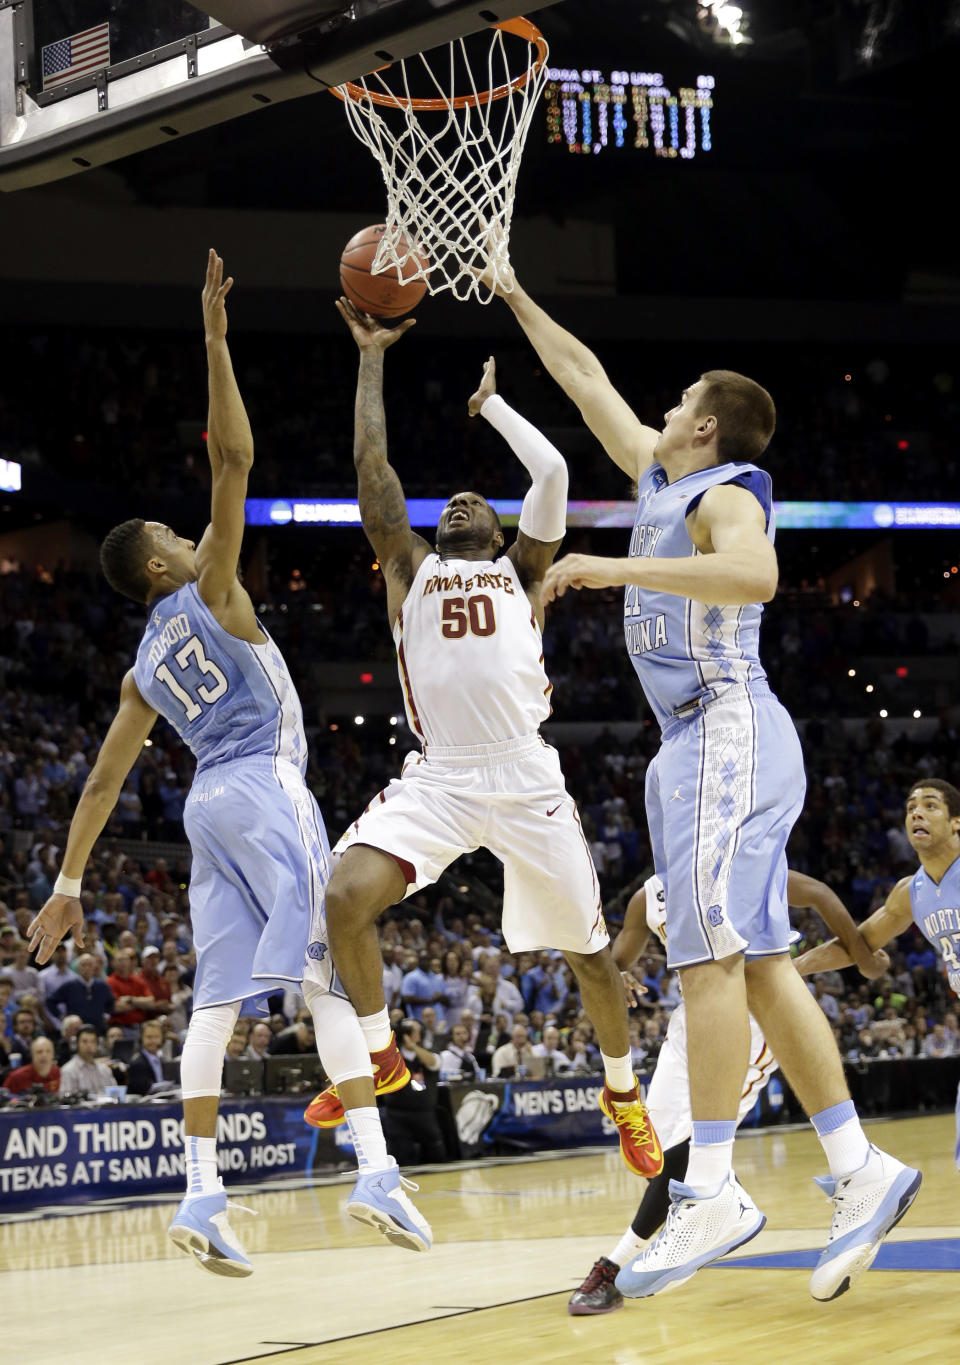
368 332
633 989
488 387
215 291
52 924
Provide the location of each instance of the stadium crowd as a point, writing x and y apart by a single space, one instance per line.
133 406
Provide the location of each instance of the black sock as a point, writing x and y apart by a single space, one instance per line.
655 1203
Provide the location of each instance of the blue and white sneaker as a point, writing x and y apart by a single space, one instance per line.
699 1229
378 1199
866 1205
201 1229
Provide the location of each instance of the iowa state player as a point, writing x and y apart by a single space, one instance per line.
260 853
466 620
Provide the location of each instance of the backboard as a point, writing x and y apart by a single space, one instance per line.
85 82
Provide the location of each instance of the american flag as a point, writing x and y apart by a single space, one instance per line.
75 56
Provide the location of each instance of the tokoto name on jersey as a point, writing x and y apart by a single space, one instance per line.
175 629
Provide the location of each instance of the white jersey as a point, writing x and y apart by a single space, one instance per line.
470 654
656 908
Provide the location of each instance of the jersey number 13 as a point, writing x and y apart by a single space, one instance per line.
193 649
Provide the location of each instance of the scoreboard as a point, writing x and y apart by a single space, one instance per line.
591 113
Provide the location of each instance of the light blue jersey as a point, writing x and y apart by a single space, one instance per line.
260 854
683 650
936 910
226 698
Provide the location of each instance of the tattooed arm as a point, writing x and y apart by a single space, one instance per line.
383 508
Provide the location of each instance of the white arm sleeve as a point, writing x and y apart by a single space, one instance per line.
544 512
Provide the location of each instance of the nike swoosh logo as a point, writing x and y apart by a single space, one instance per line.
555 809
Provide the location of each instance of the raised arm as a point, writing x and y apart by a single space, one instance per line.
230 449
807 891
383 508
884 925
118 753
579 373
737 563
543 516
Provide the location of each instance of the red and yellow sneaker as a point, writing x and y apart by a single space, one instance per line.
639 1144
390 1071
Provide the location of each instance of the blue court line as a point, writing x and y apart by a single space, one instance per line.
940 1253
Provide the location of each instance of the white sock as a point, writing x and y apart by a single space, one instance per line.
618 1072
369 1144
200 1160
629 1246
846 1148
376 1029
711 1155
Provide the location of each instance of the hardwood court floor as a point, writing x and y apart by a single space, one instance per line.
81 1287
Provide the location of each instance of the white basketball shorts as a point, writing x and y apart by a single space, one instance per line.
668 1096
511 799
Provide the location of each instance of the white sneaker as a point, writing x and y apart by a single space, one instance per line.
699 1229
380 1201
866 1205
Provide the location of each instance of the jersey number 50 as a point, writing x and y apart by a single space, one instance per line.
474 614
193 649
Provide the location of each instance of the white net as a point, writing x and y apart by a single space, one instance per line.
449 137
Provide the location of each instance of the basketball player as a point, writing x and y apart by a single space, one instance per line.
467 624
722 796
930 898
260 853
668 1098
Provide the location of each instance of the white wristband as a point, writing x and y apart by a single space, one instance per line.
67 886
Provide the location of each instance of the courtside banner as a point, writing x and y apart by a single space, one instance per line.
533 1115
50 1156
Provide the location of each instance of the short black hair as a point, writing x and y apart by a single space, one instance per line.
87 1028
123 559
947 790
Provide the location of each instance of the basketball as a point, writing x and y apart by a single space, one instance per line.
385 296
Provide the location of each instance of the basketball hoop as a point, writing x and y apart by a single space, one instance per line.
449 148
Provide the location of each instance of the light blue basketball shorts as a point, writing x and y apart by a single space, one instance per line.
722 796
261 861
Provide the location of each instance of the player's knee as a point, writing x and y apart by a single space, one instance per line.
357 893
591 966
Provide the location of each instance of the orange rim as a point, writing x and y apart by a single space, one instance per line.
520 28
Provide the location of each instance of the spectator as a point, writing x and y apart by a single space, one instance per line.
146 1066
85 1074
556 1061
181 996
157 985
457 1060
57 974
299 1038
25 978
66 1048
258 1043
24 1032
937 1043
410 1115
423 986
133 1002
513 1058
435 1035
86 994
393 955
41 1070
